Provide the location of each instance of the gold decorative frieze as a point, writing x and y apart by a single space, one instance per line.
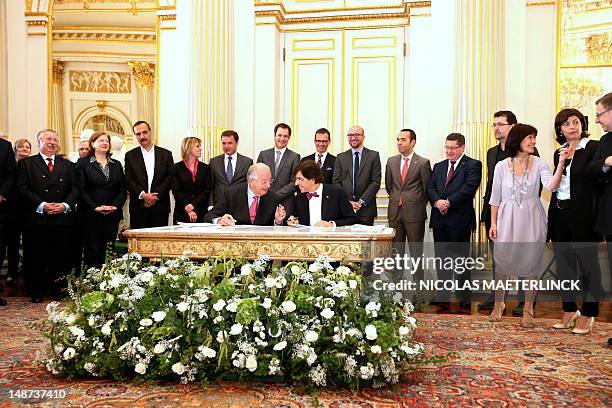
36 23
599 48
100 82
93 36
144 73
58 72
167 17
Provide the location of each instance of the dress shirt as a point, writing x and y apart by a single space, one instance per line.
323 157
40 207
563 192
456 164
403 162
234 161
314 205
149 161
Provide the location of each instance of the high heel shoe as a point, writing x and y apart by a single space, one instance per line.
570 323
527 325
497 318
575 330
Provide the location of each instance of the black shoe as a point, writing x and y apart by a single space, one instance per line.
3 302
518 311
36 300
487 304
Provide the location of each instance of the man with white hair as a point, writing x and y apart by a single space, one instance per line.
48 195
250 203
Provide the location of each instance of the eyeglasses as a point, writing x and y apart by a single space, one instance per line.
494 125
598 114
351 135
572 123
322 141
452 147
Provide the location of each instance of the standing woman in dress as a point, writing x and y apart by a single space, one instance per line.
571 222
102 188
191 183
518 219
23 149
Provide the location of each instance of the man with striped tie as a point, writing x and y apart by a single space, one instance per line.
230 168
323 159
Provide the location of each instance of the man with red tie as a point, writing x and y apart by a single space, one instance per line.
250 203
318 204
406 177
48 195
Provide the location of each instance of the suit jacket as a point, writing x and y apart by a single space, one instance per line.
283 182
494 155
136 176
8 173
460 191
37 184
95 190
186 191
217 167
584 195
328 166
413 190
335 206
368 179
604 216
235 201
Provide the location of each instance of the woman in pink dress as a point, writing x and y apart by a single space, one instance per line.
518 219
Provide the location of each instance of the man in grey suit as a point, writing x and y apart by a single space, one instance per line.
282 161
358 172
406 178
230 168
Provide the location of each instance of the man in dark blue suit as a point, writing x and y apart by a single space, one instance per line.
322 157
451 191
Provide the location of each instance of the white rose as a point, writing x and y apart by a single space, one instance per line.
403 331
219 305
267 303
77 331
251 363
218 319
311 336
343 270
159 316
270 282
280 346
327 313
221 336
295 270
146 322
232 306
69 353
412 321
376 349
182 307
146 276
103 286
208 352
106 330
178 368
245 270
159 348
288 306
370 332
70 319
140 368
162 271
236 329
352 284
91 320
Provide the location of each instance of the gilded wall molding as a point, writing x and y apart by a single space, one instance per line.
91 36
541 3
144 73
58 72
100 82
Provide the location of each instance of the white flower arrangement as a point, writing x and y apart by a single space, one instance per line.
305 322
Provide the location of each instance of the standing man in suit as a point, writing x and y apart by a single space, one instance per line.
250 203
323 159
451 192
282 161
48 193
406 178
318 204
230 168
8 196
358 172
148 171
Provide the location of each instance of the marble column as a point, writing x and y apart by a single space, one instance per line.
56 121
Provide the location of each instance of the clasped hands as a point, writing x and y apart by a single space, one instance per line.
149 199
54 208
189 209
442 205
106 209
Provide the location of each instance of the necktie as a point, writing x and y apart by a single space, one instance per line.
50 164
355 174
276 162
310 195
451 173
253 209
320 162
229 172
404 172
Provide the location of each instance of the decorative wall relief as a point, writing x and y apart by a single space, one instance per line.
101 82
599 48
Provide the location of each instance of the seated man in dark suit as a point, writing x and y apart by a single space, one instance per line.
318 204
322 157
250 203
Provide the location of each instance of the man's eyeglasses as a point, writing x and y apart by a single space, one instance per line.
494 125
351 135
322 141
598 114
451 147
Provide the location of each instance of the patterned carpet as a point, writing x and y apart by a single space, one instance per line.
496 365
